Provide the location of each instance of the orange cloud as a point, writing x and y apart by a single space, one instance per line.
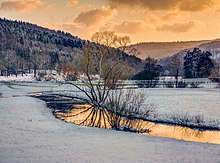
21 5
97 17
179 27
72 3
132 27
151 4
174 15
197 5
183 5
158 18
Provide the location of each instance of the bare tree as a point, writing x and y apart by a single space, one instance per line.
11 62
39 61
176 65
104 69
107 38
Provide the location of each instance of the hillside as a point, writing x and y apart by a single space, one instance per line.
164 49
25 46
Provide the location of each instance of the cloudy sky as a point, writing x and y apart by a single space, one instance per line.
142 20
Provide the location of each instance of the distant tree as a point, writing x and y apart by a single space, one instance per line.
69 71
107 38
148 77
215 74
151 70
176 66
197 64
205 64
38 61
11 62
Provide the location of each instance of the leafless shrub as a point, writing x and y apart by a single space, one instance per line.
199 121
182 118
125 106
149 110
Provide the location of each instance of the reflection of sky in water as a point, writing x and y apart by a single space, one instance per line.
177 132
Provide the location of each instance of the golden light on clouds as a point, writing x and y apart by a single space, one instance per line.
132 27
21 5
96 17
72 3
142 20
184 5
179 27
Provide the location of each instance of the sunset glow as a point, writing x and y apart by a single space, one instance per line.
142 20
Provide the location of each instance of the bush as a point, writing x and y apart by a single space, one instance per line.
198 121
41 75
71 77
181 84
194 85
124 107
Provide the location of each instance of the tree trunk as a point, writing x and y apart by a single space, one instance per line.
35 70
176 77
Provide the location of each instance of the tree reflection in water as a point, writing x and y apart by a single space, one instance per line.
84 115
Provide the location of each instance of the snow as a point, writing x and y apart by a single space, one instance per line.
30 133
205 101
29 77
25 78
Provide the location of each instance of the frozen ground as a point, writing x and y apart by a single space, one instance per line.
205 101
30 133
201 101
29 77
24 78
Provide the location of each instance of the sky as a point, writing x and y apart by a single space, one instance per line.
141 20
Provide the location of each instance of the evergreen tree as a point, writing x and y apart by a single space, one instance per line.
197 64
151 70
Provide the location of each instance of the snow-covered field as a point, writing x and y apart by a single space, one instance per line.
29 77
30 133
199 101
204 101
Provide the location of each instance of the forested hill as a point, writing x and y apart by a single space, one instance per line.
27 46
22 32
